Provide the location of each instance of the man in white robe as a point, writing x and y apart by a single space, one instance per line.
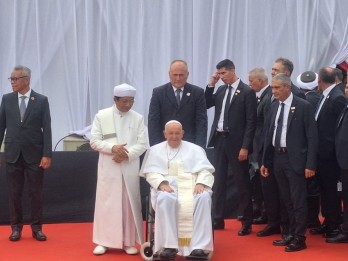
118 133
181 178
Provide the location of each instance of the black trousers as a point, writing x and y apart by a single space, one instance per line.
17 173
344 180
271 199
226 161
328 173
293 191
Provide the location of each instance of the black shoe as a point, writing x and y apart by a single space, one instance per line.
318 230
219 224
15 235
340 238
296 245
198 254
38 235
286 240
245 230
330 233
267 231
260 220
168 254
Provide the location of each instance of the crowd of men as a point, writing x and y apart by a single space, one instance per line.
285 148
276 141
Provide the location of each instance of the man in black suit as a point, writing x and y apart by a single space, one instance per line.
258 81
231 136
329 109
290 148
341 149
181 101
308 84
283 65
25 117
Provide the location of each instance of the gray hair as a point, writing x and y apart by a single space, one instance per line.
24 69
259 73
283 78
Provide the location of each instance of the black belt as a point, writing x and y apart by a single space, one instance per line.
282 150
223 134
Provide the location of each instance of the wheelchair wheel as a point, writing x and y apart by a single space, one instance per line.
146 251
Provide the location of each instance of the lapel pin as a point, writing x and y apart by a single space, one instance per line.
32 98
188 94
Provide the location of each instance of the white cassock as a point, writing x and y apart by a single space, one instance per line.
117 215
182 220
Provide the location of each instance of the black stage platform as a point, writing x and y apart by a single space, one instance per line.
69 189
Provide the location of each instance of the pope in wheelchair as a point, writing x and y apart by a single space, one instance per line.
180 176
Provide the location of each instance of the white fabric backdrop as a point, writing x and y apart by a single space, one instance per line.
79 49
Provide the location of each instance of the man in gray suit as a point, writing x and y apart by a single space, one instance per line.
25 117
181 101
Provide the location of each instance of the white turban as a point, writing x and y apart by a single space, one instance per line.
307 80
124 90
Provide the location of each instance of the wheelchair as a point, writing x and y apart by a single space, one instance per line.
146 249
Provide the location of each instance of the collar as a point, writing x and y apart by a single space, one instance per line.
182 88
27 94
328 90
288 101
235 84
259 93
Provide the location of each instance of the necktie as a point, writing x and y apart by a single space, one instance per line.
177 95
227 106
279 127
22 107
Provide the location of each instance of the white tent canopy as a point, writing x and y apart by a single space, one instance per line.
79 49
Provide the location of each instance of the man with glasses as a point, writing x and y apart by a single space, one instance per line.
25 117
118 134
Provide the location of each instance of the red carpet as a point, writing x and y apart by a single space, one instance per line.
73 242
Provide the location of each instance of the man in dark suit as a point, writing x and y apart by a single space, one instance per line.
25 117
258 81
341 149
231 136
308 84
181 101
290 148
283 65
329 109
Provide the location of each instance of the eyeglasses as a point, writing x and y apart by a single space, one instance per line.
124 101
14 79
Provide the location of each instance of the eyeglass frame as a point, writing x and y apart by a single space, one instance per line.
15 79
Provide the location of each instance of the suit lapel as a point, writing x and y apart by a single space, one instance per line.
236 94
15 103
31 102
291 112
170 95
342 116
185 96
